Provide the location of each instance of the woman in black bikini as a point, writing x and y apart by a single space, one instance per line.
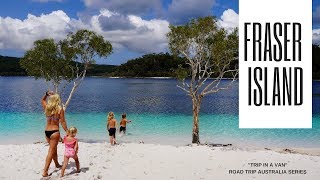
54 115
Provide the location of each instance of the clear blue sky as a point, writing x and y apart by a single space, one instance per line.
133 27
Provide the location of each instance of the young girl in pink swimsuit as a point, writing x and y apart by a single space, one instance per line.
71 149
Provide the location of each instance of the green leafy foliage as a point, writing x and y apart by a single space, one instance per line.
43 61
84 45
181 37
201 41
66 60
181 73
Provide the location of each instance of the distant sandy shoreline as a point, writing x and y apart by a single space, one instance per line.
150 161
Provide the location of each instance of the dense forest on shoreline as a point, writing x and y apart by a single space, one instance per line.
9 66
149 65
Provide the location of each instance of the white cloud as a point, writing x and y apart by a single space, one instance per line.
114 21
144 36
229 20
20 34
131 31
316 36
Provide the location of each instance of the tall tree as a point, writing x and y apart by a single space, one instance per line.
84 46
210 52
67 60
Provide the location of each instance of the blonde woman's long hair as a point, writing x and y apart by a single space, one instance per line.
53 105
110 116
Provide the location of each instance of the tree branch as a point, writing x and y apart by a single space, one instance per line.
76 83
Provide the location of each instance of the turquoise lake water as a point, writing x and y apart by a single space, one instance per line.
160 112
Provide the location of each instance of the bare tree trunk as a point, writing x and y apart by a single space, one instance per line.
75 86
55 86
196 109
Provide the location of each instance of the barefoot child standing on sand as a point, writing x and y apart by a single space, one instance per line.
111 127
123 123
71 149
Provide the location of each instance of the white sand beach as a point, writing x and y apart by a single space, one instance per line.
148 161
